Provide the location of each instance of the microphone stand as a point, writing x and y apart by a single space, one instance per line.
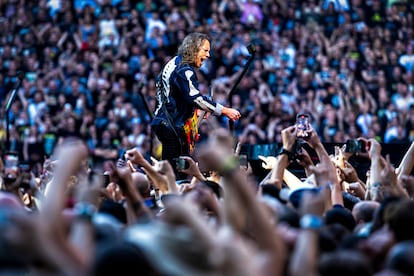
144 101
252 51
150 114
10 100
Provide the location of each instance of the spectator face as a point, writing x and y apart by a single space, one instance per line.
402 89
396 72
38 97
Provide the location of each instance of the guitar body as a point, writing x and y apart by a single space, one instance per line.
191 130
191 125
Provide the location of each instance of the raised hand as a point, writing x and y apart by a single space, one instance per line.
192 169
135 156
348 173
269 162
289 137
121 175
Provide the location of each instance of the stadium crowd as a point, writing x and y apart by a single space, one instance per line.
90 68
85 104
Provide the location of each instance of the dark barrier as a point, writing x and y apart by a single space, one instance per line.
361 164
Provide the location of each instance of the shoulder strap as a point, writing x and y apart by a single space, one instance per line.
163 98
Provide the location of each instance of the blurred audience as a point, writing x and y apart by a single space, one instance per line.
95 196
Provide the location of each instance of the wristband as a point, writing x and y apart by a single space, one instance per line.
84 211
229 167
311 222
290 155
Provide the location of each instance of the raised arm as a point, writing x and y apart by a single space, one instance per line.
165 183
136 208
285 156
407 163
305 255
238 191
314 141
70 156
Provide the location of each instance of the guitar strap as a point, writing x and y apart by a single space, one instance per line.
161 90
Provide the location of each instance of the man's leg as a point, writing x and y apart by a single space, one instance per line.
171 147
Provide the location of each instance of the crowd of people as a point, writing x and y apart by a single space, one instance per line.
139 220
90 69
92 189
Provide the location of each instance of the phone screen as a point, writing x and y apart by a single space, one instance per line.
106 179
11 166
302 125
181 164
243 160
11 162
354 145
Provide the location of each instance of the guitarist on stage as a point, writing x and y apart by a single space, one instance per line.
178 97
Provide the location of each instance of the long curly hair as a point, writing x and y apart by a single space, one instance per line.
191 45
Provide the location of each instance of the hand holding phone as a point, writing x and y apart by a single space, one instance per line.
181 164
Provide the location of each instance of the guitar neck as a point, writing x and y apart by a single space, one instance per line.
200 117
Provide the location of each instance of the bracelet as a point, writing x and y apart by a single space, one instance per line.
310 222
290 154
84 211
229 167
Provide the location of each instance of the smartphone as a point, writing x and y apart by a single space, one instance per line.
181 164
11 161
122 155
243 160
106 179
354 145
302 125
11 167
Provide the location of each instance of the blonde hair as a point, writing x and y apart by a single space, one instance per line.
190 46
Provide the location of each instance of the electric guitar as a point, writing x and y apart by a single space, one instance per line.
192 124
191 128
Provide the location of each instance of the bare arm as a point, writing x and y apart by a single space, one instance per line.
162 177
54 202
237 190
305 256
288 141
407 163
136 207
62 39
